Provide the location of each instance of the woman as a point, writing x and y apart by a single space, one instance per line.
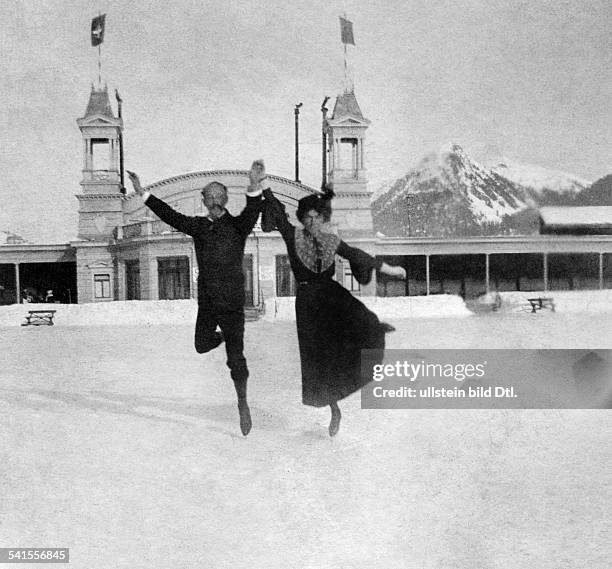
333 326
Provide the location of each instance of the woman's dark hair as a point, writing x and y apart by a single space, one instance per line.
321 203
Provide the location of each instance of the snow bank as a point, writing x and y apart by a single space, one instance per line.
140 312
434 306
594 301
152 312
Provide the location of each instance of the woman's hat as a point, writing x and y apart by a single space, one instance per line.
319 202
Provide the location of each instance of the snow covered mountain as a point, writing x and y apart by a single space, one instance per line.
383 187
447 194
450 194
541 181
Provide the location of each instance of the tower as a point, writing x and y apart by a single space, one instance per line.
346 130
100 202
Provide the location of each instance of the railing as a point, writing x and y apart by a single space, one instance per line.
158 227
135 230
143 228
100 174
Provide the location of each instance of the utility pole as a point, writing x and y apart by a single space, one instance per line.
296 112
324 144
119 112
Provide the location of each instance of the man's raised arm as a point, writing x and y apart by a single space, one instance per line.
257 178
179 221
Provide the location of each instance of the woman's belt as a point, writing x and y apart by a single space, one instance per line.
315 282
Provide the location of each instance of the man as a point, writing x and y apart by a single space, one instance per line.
219 241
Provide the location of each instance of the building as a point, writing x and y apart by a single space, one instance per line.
123 252
587 220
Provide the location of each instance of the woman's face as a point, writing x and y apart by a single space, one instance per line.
313 222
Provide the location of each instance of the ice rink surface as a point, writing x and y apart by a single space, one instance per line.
121 443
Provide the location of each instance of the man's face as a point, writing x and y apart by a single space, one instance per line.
215 200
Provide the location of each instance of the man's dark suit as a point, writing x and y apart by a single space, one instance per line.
219 247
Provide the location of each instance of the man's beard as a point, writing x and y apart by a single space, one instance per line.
215 211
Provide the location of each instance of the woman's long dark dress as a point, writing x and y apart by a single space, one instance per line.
332 325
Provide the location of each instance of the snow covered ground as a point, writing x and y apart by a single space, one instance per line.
157 312
121 443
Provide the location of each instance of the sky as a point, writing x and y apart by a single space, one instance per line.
212 85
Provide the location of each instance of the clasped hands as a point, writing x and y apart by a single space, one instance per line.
257 175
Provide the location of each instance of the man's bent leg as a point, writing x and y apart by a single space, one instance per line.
232 326
206 338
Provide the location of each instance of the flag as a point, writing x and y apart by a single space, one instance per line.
346 31
97 30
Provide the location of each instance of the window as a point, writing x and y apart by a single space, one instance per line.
132 280
347 155
102 286
285 281
350 282
100 152
173 278
463 275
607 270
8 284
416 276
247 268
573 271
516 271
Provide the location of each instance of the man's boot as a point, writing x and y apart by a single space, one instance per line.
243 407
245 416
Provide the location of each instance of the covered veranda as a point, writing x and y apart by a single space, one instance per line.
473 266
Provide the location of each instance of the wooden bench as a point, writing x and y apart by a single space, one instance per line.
39 318
539 303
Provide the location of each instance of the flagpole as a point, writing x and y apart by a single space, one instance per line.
100 59
346 79
120 113
296 112
324 144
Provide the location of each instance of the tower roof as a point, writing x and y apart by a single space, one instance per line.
346 105
99 103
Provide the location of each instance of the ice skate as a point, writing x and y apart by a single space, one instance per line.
245 417
334 424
